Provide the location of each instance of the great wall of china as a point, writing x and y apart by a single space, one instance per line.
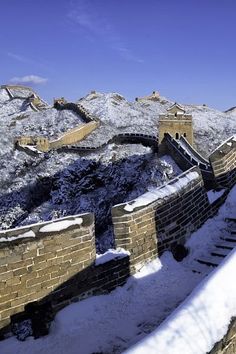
55 262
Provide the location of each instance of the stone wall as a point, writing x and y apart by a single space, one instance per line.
53 262
227 345
35 260
74 135
187 158
172 126
146 228
136 233
223 162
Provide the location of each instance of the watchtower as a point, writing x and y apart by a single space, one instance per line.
176 122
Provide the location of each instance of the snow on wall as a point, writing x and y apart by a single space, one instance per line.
164 191
223 161
163 217
35 261
201 320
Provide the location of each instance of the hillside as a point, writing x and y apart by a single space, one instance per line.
211 126
44 187
231 111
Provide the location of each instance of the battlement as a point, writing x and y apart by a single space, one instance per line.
155 96
21 87
223 162
71 136
177 123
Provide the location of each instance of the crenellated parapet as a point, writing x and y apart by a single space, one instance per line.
223 162
155 96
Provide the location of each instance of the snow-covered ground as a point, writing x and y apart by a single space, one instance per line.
20 171
112 323
211 126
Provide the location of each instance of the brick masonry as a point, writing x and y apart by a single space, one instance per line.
227 345
53 266
223 161
59 266
162 224
185 160
150 230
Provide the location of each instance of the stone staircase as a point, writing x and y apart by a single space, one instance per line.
205 264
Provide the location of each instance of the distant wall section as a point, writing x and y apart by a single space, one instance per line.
223 162
74 135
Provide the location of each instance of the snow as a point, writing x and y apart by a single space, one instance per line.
111 254
204 315
227 141
115 322
214 195
12 238
191 151
167 159
20 171
109 323
161 192
60 225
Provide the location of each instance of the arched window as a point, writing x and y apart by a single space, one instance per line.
177 136
185 135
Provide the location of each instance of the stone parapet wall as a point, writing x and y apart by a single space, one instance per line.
227 345
37 259
136 233
185 160
180 207
223 162
74 135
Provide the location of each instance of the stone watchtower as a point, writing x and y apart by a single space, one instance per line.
176 122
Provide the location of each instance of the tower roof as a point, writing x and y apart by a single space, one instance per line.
175 108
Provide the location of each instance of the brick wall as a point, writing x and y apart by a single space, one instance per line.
223 161
185 160
74 135
168 220
37 261
173 126
227 345
136 232
53 266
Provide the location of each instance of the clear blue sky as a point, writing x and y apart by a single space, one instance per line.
185 49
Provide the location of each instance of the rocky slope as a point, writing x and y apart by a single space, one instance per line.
57 184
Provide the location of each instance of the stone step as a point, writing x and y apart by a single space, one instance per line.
229 238
209 260
201 268
225 244
233 231
230 219
220 252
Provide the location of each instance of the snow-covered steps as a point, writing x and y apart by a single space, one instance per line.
225 244
209 260
220 252
230 219
201 268
230 238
